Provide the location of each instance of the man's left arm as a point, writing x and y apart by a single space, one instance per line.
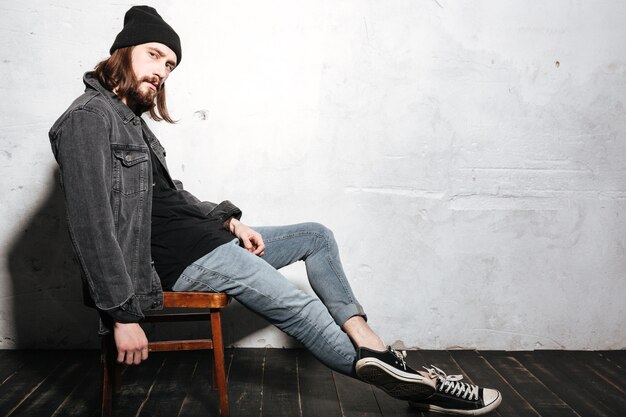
251 240
222 211
229 214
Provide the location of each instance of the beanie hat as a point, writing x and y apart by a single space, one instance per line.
142 24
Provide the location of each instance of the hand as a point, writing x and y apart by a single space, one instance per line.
251 239
131 343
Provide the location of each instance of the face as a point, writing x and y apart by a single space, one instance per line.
152 63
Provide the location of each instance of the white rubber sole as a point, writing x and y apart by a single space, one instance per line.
398 384
436 409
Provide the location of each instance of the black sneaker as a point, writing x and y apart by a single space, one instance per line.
389 372
455 397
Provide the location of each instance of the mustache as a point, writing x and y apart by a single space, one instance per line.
156 81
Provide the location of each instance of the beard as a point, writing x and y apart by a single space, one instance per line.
145 99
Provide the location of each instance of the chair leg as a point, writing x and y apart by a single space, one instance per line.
109 373
219 370
214 385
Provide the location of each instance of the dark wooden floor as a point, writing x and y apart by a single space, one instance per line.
274 382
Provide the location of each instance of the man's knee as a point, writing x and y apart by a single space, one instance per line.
322 231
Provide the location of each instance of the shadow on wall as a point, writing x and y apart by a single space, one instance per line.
47 301
47 296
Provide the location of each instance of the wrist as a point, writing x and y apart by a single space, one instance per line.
232 225
118 325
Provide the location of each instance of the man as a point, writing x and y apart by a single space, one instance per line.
125 210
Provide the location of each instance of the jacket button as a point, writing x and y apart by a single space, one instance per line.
135 121
127 158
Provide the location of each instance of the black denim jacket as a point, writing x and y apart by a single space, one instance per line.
106 176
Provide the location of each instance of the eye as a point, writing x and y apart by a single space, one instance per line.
152 54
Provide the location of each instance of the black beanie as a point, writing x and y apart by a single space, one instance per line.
142 24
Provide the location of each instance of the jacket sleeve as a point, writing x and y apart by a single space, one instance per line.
82 148
221 211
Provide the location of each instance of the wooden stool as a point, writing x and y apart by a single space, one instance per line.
214 302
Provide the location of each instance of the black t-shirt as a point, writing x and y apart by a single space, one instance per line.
181 233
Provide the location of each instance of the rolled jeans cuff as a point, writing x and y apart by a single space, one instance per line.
348 311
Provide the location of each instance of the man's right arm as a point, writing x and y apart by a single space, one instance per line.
131 343
82 149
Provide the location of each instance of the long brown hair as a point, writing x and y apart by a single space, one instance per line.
116 74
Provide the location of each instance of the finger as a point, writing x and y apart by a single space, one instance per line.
120 356
254 243
246 242
260 245
260 248
144 354
137 358
129 358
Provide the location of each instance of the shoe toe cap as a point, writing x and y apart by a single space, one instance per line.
491 397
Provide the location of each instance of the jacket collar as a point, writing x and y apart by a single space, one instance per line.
123 111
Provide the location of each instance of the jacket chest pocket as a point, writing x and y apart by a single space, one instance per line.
130 170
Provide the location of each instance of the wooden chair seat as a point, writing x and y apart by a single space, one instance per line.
211 303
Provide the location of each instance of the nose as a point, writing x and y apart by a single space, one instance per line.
161 72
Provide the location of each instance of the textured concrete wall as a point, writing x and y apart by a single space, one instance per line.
470 157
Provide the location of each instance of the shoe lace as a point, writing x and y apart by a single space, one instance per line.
450 384
400 355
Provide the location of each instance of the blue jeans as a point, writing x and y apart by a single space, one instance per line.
255 283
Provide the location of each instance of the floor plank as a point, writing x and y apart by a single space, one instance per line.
10 362
538 395
318 393
171 385
245 382
553 377
202 399
280 384
615 376
392 407
356 398
136 385
277 382
17 388
616 357
84 399
584 379
48 396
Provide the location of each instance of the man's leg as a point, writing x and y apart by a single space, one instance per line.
260 287
268 293
362 334
316 246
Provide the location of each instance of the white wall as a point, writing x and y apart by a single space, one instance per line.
470 157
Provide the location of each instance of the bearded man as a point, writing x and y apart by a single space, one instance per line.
135 231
